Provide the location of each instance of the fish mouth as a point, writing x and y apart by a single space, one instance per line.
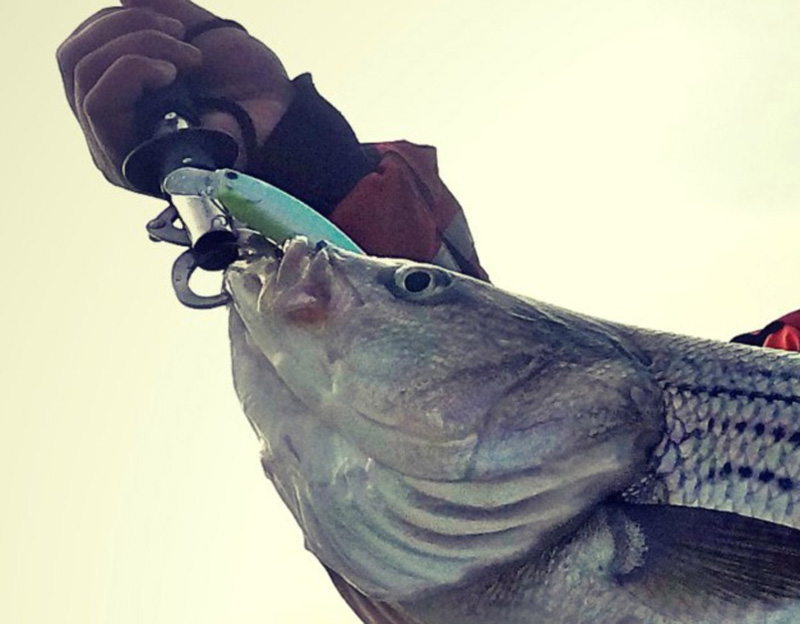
298 282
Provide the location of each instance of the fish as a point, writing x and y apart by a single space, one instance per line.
456 453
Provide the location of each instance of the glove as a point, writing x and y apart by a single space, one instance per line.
120 53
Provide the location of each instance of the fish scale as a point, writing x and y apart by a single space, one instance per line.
732 432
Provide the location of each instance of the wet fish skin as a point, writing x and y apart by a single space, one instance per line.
460 454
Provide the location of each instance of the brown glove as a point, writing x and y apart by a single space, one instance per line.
113 58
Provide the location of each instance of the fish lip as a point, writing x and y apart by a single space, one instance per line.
303 286
303 283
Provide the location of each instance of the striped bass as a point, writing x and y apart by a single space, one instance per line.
455 453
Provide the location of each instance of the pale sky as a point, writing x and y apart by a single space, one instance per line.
632 160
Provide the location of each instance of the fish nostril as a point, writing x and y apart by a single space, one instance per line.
322 244
252 283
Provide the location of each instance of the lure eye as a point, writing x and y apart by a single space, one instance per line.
418 282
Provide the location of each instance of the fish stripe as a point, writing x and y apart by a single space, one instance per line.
732 437
717 391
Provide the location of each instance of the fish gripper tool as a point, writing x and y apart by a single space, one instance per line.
170 162
220 210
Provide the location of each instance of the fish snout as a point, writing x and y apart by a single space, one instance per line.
304 289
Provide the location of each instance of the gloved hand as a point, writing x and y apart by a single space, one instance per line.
113 58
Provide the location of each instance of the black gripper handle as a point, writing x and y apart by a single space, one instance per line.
167 123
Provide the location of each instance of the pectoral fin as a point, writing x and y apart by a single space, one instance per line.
683 560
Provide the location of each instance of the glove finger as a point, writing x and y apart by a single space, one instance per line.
187 12
105 26
150 43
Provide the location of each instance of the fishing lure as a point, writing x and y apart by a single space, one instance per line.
218 209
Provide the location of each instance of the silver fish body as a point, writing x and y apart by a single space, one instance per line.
455 453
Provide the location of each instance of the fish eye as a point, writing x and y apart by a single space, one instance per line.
418 282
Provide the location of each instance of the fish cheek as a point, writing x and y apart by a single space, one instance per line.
370 368
565 409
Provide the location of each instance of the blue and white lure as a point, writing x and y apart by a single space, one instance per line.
216 208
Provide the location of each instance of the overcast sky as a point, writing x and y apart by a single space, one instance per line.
632 160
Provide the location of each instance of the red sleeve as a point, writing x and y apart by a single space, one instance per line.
783 333
787 337
403 209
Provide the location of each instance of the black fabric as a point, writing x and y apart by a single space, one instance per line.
313 153
246 126
758 339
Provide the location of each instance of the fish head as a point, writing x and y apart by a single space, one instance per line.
407 402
